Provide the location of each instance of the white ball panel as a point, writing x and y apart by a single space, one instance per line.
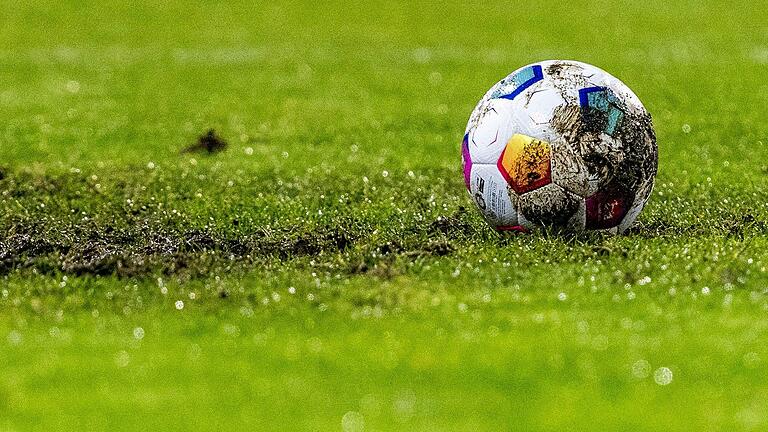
489 191
533 109
493 127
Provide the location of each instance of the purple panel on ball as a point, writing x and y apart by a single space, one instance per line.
467 160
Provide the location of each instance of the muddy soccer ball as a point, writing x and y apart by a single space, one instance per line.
560 144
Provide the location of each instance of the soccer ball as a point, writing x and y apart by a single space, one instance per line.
560 144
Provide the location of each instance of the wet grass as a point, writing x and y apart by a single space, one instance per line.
315 263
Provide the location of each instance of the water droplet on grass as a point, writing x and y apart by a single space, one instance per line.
122 359
751 360
422 55
641 369
14 337
404 406
72 86
662 376
352 421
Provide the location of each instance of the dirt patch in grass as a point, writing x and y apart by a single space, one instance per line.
390 259
136 253
737 226
209 143
454 225
145 250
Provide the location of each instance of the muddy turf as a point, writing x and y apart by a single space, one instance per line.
315 262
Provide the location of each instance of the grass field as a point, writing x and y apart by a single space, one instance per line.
328 270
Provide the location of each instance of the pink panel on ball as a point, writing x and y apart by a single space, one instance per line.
467 160
512 229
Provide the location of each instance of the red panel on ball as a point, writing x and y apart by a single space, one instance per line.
607 207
